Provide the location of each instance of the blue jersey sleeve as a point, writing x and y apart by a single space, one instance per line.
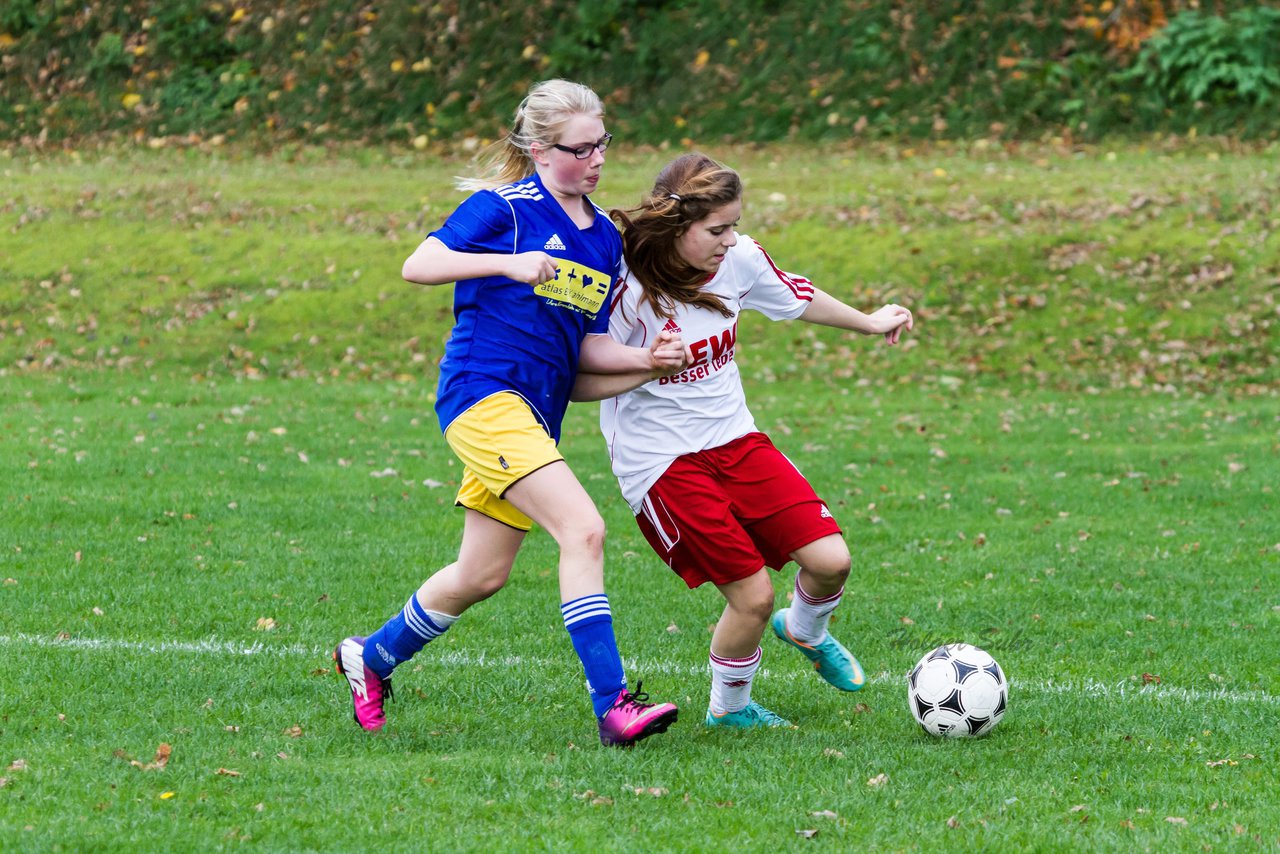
484 222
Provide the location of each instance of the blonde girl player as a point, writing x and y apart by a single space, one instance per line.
713 496
534 260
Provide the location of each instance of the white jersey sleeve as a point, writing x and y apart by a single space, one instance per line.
775 294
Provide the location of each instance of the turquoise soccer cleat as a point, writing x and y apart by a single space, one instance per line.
752 717
833 662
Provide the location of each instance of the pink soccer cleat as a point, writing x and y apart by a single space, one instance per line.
632 718
368 689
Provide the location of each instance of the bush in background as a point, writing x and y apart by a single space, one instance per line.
751 70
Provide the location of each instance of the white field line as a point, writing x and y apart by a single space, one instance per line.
213 646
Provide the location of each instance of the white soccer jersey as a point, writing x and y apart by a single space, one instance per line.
703 406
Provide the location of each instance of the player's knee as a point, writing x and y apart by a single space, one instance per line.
838 570
584 536
488 584
482 580
829 563
759 606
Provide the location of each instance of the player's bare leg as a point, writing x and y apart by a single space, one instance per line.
735 654
553 498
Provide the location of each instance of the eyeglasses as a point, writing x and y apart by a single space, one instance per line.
582 152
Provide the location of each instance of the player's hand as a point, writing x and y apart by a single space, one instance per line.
532 268
890 321
669 353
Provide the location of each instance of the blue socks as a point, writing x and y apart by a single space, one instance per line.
403 635
588 620
590 625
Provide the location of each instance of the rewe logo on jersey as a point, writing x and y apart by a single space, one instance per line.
555 243
672 326
718 349
710 355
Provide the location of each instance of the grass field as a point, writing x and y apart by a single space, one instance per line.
220 457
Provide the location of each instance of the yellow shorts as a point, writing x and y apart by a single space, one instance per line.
498 441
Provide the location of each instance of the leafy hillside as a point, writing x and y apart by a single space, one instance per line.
706 70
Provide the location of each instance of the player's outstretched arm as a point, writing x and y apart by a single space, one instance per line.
889 320
599 377
433 263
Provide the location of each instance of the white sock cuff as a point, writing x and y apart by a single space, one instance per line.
749 663
818 602
442 620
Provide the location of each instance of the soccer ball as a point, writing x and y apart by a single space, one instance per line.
957 690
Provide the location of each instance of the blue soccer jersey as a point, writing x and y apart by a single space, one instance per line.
513 336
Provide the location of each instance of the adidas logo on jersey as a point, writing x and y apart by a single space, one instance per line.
672 326
555 244
825 514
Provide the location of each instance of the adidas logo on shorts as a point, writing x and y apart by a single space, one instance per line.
555 243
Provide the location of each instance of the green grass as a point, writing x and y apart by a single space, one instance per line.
221 457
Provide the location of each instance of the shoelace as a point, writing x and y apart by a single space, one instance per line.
761 713
636 698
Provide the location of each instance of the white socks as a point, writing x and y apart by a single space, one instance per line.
807 617
731 682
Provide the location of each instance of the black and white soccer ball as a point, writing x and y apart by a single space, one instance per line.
957 691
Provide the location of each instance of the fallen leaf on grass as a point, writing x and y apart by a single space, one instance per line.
227 772
294 731
807 834
1176 819
162 759
653 790
878 780
18 765
953 822
265 624
824 814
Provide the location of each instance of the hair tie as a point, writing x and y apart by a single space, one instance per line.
673 196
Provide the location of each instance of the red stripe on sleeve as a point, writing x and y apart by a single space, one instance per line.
799 285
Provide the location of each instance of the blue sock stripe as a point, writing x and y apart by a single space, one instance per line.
418 621
587 608
401 638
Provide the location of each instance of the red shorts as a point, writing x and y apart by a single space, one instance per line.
721 514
